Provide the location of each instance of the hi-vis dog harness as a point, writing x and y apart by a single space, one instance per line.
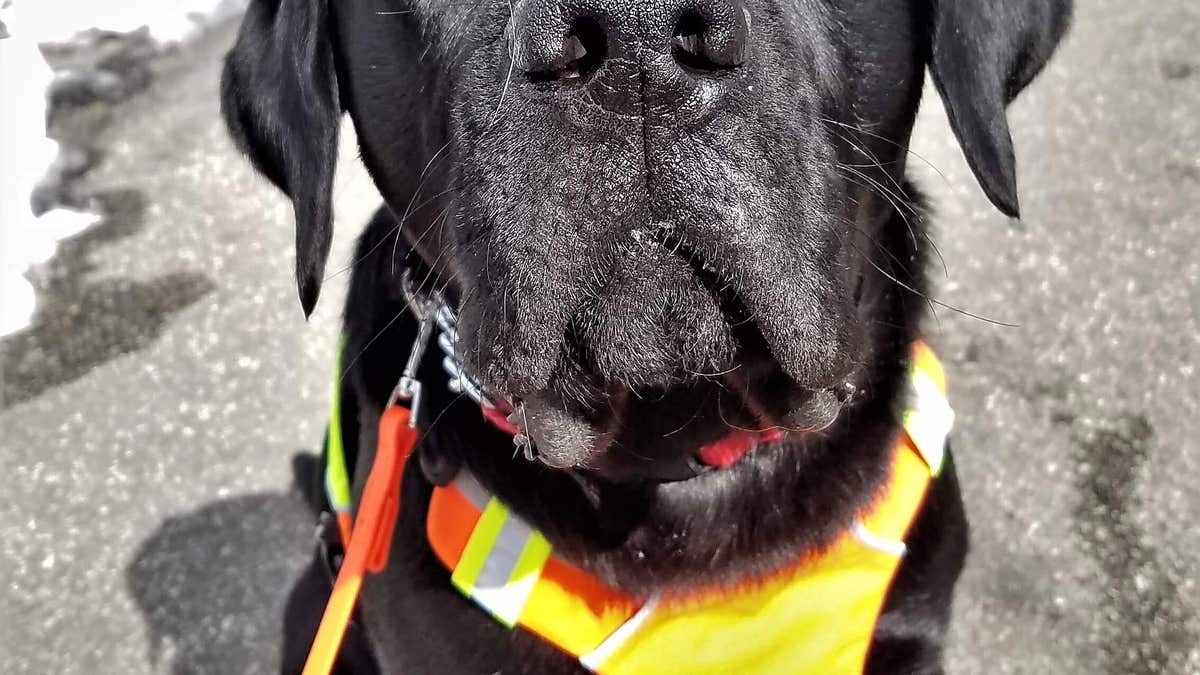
816 616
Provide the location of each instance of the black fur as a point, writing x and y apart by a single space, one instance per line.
280 100
642 256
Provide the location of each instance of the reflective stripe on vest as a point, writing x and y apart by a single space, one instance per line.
337 476
524 584
815 617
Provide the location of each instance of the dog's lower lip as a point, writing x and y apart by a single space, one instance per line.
821 412
766 409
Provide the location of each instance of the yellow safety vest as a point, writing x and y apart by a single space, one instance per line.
817 616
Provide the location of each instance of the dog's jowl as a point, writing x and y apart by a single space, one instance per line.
675 413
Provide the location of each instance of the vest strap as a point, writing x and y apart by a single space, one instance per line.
500 563
510 570
337 474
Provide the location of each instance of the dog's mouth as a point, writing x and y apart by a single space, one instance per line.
707 424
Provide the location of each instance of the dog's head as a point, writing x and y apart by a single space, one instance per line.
651 214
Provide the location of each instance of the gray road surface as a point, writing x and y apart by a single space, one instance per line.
149 417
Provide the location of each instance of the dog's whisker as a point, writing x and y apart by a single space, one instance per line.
512 64
911 232
725 420
716 374
876 163
896 261
895 144
935 301
388 235
389 324
886 252
695 415
898 202
413 199
432 268
439 220
448 407
923 231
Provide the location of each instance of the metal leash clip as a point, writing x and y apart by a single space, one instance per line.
522 441
408 389
433 310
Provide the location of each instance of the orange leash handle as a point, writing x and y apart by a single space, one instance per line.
372 536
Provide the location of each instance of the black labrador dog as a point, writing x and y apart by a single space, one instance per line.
657 221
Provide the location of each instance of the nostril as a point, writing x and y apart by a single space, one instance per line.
689 39
576 55
714 39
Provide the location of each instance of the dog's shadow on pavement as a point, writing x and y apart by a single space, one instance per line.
211 584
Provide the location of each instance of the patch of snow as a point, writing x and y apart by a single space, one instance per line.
31 243
25 154
25 151
168 20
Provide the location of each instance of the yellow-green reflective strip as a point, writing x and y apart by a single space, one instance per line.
526 573
337 478
479 545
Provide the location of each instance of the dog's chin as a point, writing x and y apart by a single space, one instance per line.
682 432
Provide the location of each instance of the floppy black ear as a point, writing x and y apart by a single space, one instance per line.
279 96
983 53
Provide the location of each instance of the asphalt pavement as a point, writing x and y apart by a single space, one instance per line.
149 417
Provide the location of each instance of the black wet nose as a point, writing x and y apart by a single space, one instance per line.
566 40
711 35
